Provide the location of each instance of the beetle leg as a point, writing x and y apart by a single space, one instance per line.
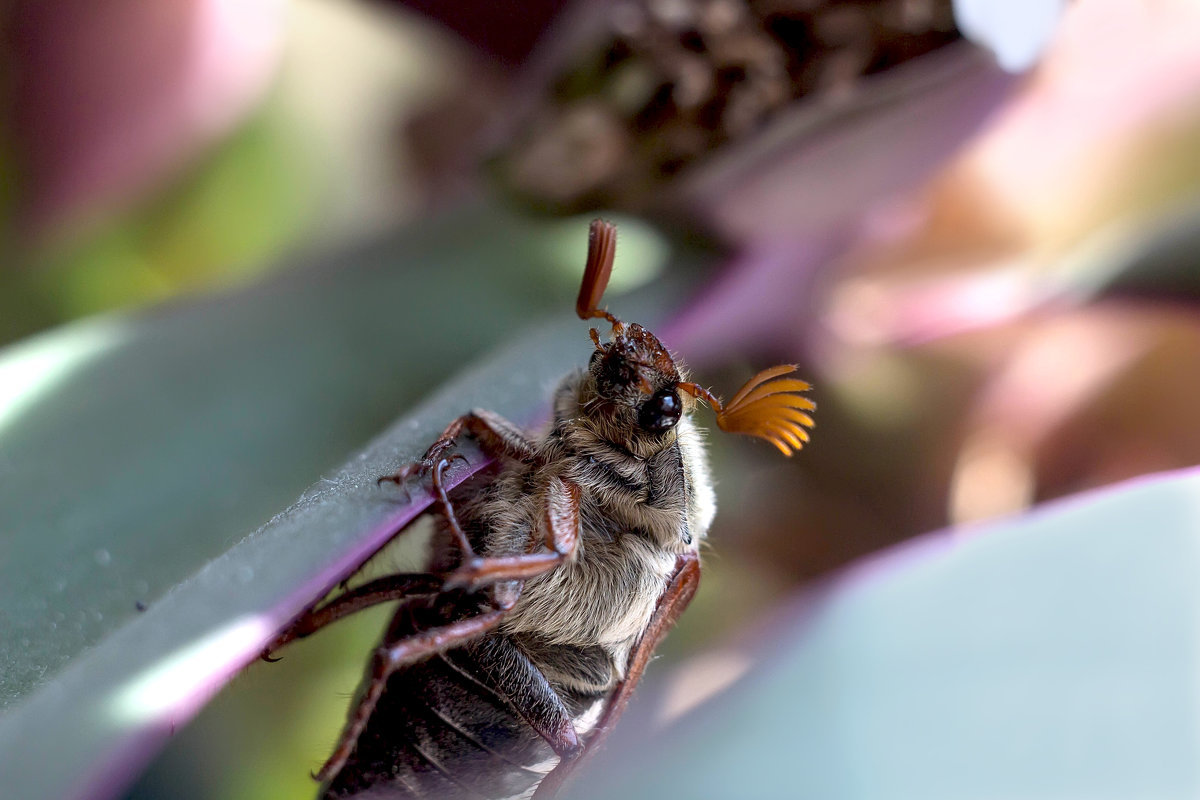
674 599
382 590
456 531
496 435
394 654
372 593
561 521
394 587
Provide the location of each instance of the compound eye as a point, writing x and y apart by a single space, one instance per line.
661 411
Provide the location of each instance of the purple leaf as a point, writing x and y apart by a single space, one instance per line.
1050 655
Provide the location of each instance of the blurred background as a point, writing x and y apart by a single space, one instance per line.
977 237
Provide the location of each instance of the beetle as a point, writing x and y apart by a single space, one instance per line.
550 581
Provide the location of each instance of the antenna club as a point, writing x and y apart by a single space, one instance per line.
602 249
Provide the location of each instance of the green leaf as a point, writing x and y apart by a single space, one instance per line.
137 454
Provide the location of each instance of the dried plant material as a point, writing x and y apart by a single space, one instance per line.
666 83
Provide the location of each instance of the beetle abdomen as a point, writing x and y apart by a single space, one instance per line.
439 732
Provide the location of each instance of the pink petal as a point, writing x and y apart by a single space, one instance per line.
115 98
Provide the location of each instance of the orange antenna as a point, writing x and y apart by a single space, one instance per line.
602 248
767 406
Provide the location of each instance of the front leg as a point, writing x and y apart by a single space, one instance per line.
496 436
560 518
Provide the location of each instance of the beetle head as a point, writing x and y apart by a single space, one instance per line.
638 387
636 379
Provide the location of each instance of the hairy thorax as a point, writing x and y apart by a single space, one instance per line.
604 597
639 509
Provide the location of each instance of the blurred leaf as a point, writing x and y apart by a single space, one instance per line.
819 166
226 221
136 452
1052 655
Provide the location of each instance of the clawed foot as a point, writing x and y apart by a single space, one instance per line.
431 462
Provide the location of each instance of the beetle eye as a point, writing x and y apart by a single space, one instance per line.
661 411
